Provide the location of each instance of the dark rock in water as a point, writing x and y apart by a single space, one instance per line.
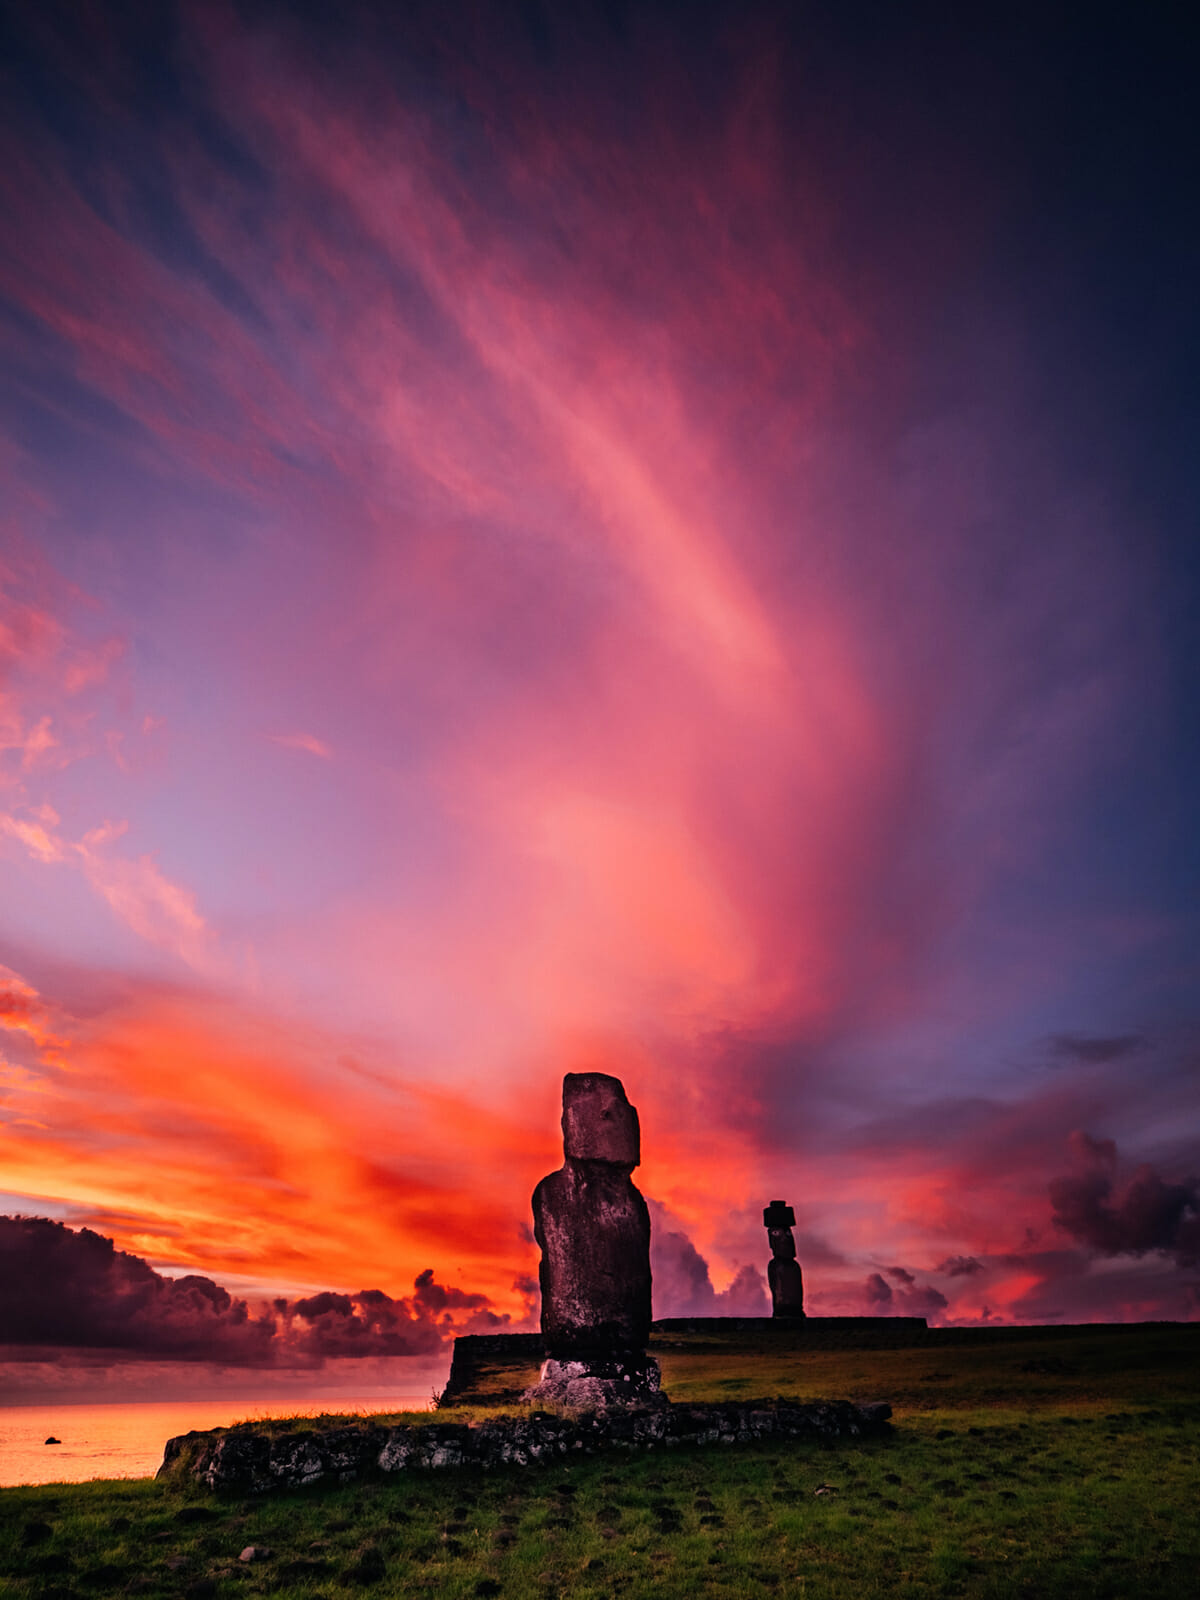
594 1231
53 1440
245 1459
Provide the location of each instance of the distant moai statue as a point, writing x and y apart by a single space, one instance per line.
593 1228
783 1272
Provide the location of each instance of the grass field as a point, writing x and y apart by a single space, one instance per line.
1066 1466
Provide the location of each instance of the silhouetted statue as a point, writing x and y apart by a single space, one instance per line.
594 1231
783 1272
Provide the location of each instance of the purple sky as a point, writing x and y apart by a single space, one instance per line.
612 537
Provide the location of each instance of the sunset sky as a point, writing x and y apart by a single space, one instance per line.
658 540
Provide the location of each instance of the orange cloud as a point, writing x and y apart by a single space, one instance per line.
220 1131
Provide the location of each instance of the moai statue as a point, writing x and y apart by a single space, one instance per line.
783 1272
594 1231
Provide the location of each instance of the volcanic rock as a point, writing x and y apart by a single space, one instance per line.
594 1231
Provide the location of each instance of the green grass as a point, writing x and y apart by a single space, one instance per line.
1076 1481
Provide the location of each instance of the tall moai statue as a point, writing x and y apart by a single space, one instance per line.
783 1271
594 1231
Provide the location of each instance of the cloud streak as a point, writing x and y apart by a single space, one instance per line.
303 741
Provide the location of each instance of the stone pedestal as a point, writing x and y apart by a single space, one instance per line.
594 1384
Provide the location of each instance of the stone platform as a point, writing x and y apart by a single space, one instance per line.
254 1458
497 1368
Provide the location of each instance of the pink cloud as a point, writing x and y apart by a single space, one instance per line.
709 702
303 741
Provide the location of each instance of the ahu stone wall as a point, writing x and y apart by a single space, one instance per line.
255 1458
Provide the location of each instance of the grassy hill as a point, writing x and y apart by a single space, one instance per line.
1039 1463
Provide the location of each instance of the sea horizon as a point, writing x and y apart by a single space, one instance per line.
125 1438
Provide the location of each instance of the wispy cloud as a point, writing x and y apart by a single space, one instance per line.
303 741
136 891
143 898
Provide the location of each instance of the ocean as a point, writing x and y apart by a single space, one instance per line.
125 1439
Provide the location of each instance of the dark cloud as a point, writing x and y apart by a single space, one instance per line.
530 1290
878 1291
682 1284
1094 1049
1064 1286
1146 1213
74 1290
436 1298
1091 1152
913 1300
959 1266
370 1323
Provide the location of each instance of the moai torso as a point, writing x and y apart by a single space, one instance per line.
594 1228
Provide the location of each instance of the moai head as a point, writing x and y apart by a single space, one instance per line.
598 1122
783 1246
779 1220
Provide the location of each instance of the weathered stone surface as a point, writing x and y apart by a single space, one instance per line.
594 1385
292 1459
783 1272
249 1460
594 1231
598 1123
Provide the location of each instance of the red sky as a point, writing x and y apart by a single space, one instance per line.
646 547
